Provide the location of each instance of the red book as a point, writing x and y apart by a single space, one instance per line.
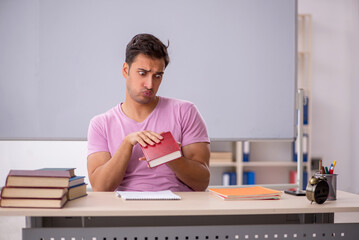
33 202
37 178
162 152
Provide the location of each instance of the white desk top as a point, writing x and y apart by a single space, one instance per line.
192 203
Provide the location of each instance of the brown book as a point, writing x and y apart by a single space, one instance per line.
37 178
31 192
77 191
33 203
221 155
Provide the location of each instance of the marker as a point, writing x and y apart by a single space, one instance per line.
326 170
331 169
320 166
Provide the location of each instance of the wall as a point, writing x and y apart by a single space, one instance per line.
335 133
335 103
39 154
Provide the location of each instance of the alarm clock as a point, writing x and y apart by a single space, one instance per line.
317 189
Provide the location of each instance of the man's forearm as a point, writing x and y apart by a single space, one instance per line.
110 175
193 173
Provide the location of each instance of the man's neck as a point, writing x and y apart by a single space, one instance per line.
137 111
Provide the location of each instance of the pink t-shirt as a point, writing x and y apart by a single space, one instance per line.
107 131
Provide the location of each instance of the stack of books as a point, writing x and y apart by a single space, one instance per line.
221 157
246 193
41 188
77 185
35 188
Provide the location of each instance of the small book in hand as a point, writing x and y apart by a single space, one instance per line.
164 151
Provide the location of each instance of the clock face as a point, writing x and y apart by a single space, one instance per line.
321 192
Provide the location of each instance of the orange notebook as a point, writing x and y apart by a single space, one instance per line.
250 193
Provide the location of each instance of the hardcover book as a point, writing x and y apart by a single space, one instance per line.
37 178
33 203
77 180
162 152
77 191
32 192
221 157
70 170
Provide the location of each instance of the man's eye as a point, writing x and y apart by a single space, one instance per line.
142 73
158 75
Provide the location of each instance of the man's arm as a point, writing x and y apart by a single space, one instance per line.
106 172
193 167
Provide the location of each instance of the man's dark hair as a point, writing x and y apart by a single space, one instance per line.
148 45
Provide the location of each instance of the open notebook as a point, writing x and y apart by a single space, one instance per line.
159 195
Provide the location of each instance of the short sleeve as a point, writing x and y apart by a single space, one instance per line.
193 126
96 137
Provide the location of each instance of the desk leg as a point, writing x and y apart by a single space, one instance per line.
33 222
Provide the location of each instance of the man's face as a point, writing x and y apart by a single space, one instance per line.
143 78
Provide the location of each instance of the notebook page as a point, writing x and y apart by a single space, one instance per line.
158 195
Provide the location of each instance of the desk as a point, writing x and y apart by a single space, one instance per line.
199 215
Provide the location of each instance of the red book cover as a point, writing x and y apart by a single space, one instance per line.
37 178
162 152
39 173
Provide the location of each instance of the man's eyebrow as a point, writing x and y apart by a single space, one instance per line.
145 70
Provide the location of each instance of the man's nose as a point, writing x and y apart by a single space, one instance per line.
149 82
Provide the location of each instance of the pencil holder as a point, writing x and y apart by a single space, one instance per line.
332 182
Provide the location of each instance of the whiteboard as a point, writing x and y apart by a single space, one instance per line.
60 63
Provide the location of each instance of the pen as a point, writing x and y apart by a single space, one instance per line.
331 169
326 170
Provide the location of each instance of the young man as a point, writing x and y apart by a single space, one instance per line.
115 160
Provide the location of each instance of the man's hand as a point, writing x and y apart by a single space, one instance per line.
106 172
144 138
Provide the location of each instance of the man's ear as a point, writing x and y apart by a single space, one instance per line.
125 69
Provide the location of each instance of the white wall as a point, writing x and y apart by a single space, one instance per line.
335 133
40 154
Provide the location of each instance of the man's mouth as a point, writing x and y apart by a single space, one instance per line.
147 93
